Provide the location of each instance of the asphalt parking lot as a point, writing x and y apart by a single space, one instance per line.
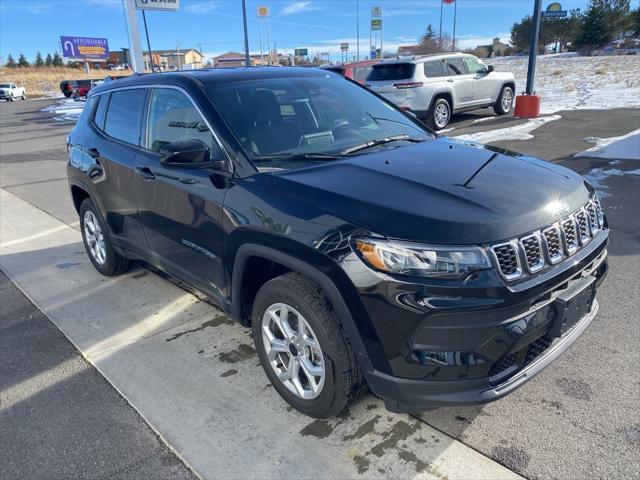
577 419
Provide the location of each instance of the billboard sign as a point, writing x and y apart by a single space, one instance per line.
344 47
554 10
376 24
166 5
85 47
301 52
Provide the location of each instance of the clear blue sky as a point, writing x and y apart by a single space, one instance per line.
27 26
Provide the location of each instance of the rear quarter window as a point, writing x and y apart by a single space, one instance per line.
124 115
434 69
394 71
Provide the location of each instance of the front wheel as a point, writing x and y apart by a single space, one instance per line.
11 99
97 243
505 101
24 96
302 348
440 114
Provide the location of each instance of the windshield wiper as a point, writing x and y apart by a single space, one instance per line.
381 141
297 156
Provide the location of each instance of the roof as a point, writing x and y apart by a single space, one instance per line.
210 76
173 51
417 58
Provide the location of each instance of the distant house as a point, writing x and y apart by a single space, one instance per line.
407 50
496 48
179 59
232 59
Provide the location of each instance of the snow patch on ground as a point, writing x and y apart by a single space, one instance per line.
483 119
597 176
570 82
625 147
68 109
517 132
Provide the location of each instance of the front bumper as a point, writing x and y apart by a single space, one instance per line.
488 355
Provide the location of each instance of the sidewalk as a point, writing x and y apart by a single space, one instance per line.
60 418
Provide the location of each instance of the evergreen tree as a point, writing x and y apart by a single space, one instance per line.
22 61
49 61
595 32
39 62
57 60
429 43
11 63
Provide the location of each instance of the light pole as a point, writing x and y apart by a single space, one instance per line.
247 59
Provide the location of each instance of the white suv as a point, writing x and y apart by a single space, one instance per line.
436 86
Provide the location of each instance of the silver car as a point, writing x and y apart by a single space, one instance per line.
436 86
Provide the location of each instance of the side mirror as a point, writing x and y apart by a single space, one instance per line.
189 154
490 69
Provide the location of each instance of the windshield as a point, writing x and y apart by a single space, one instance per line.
281 121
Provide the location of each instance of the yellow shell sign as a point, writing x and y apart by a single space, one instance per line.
263 11
554 7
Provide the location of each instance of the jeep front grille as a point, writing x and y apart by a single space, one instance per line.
549 245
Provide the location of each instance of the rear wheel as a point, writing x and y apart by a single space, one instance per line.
505 101
302 348
440 114
97 243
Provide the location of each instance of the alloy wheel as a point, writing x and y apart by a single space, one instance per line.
507 99
293 351
95 238
441 115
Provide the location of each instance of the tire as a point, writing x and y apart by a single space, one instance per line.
341 382
504 104
439 114
67 94
11 99
105 259
24 96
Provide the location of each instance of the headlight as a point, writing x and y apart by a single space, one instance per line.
420 260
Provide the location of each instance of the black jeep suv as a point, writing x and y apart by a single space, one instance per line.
361 248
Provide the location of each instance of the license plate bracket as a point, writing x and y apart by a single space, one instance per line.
572 306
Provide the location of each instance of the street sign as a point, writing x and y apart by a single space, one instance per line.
166 5
301 52
376 24
84 47
263 11
376 12
554 10
344 47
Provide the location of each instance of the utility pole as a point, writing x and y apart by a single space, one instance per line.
261 49
533 47
440 34
247 59
358 29
178 55
455 14
135 49
269 39
146 31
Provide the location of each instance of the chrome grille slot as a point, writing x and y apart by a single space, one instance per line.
506 256
532 252
570 235
582 223
553 244
594 221
598 205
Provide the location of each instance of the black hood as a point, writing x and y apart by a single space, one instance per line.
440 191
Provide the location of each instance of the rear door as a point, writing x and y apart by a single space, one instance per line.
461 82
180 208
484 87
111 154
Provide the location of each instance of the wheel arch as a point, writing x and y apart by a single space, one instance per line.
332 285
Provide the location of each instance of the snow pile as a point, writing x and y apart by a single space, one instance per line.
569 82
68 109
517 132
625 147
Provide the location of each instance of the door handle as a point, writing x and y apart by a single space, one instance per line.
145 172
450 80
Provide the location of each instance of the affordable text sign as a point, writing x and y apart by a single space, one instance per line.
84 47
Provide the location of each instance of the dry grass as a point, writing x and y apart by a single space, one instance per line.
46 81
601 71
557 72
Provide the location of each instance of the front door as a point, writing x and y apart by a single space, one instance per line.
484 87
180 208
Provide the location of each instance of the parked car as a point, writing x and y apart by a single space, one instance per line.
357 71
362 249
437 86
10 91
66 87
82 87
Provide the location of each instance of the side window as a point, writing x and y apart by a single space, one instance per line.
172 118
124 114
101 111
89 109
455 66
474 65
433 69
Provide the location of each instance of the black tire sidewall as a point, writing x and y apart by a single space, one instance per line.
432 114
109 267
325 404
